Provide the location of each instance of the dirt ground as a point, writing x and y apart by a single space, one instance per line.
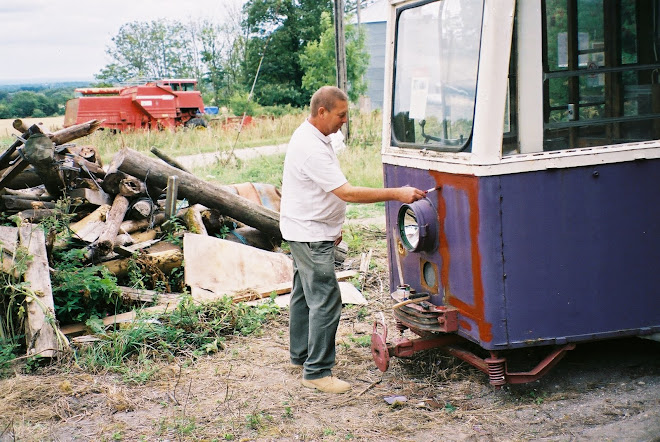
605 391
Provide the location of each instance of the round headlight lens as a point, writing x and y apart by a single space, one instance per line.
408 228
418 225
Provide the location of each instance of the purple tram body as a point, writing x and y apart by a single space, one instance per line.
545 257
542 137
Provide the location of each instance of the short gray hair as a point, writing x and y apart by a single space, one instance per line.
327 97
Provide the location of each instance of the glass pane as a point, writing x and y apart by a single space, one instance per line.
437 53
602 88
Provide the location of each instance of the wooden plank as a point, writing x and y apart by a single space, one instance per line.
116 319
40 326
143 295
281 289
8 243
222 267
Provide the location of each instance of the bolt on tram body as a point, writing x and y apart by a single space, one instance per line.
536 126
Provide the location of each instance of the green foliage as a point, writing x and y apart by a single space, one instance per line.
8 352
32 101
264 169
80 292
191 330
319 62
279 30
361 341
156 49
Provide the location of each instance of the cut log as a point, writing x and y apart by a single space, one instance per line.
253 237
37 193
74 132
165 260
131 226
11 202
20 178
192 218
141 209
40 330
35 216
90 227
113 220
19 125
196 190
39 151
95 196
124 239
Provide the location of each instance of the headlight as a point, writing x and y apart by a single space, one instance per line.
418 226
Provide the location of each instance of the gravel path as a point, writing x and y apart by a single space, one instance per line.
198 160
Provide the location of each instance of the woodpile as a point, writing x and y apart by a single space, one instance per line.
118 215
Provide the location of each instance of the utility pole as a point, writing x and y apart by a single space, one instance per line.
340 52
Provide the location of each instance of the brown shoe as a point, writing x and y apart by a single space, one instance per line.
295 366
328 384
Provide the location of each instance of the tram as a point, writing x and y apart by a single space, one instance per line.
535 125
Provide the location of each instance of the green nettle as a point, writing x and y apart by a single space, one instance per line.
82 292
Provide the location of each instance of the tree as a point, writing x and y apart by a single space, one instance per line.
319 63
278 30
156 49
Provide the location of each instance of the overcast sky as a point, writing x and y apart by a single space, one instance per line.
66 39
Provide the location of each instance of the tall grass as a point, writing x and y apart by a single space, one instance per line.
360 160
216 138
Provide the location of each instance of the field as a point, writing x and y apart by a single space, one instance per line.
246 390
50 123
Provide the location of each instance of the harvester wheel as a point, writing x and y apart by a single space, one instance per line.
196 123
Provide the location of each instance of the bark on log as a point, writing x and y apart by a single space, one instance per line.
19 125
8 243
39 151
199 191
113 221
40 327
143 295
141 209
125 239
17 203
74 132
165 261
253 237
35 215
192 218
131 226
23 178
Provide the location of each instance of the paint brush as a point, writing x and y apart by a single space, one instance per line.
432 189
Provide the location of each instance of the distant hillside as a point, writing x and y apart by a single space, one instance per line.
38 86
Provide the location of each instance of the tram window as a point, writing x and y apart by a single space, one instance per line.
601 72
436 59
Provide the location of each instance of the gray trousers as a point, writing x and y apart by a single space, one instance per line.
315 308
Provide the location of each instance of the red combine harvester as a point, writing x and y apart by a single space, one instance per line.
154 105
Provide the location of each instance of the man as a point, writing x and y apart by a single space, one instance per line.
313 207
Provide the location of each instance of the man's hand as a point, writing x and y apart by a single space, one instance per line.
407 194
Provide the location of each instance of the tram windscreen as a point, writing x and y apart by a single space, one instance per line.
435 78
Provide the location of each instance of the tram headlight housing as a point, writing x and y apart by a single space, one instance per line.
418 226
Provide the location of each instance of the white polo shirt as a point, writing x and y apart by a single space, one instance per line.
309 211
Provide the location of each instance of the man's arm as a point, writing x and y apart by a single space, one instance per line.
356 194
